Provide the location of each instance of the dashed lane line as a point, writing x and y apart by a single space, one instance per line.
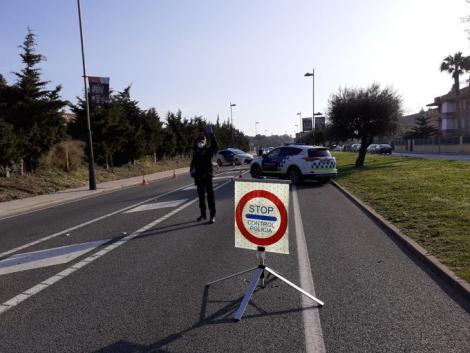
68 271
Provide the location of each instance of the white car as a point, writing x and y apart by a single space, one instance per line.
296 162
229 156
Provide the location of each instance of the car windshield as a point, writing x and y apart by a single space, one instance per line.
236 151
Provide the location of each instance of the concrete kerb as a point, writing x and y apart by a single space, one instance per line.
431 262
36 203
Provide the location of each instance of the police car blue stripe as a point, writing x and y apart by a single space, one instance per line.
260 217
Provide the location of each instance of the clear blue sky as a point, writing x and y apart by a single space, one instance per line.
198 56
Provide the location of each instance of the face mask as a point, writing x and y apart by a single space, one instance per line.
200 144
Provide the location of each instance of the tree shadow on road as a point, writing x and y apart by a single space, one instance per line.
222 315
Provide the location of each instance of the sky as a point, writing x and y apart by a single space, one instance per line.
200 55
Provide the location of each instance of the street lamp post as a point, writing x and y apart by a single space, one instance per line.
312 74
231 122
256 125
300 115
91 159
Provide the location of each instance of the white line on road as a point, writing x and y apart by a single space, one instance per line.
157 205
68 271
65 231
48 257
312 327
3 254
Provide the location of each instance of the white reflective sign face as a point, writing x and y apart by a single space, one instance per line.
261 216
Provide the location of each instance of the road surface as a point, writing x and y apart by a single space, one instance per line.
125 272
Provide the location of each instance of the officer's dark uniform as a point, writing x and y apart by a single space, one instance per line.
202 171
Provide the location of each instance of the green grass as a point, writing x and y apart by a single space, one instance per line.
428 200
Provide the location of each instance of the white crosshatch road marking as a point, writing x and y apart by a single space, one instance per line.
45 258
157 205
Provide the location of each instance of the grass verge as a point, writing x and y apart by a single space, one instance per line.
429 200
48 180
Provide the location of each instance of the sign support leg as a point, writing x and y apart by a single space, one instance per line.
231 276
249 293
271 271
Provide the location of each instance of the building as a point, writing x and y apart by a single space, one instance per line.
448 120
407 122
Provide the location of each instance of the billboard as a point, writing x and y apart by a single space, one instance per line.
99 89
307 124
319 122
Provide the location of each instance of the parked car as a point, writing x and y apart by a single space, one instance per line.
296 162
347 148
380 148
338 148
229 156
373 148
355 147
385 148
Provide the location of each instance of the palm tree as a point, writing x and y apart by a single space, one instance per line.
456 65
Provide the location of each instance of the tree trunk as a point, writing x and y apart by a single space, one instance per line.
7 171
67 161
155 157
362 153
21 167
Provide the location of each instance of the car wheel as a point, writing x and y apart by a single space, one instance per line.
219 163
294 176
237 162
256 172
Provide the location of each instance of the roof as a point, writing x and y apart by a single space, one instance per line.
450 96
308 146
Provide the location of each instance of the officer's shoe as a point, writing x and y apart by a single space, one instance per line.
200 218
211 221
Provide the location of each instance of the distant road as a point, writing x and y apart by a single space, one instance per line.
440 156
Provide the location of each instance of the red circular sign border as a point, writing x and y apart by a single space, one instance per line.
283 215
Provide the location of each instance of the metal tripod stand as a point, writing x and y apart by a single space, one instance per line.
259 276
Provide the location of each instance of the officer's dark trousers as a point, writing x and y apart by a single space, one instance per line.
204 186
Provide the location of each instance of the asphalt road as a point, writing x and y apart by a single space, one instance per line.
143 290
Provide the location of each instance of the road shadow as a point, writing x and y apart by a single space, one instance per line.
223 315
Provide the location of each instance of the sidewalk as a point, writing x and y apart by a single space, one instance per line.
15 207
438 156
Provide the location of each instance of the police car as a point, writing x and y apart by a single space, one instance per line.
229 156
296 162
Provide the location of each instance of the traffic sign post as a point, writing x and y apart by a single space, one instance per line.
261 223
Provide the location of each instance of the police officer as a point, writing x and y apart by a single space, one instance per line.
202 172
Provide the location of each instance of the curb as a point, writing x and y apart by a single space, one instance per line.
431 262
98 192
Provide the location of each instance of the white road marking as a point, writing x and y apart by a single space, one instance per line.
192 187
157 205
3 254
68 271
312 327
48 257
223 177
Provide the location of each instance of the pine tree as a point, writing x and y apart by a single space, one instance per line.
423 127
135 145
36 111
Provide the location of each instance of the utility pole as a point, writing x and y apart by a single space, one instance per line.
231 122
91 159
312 74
